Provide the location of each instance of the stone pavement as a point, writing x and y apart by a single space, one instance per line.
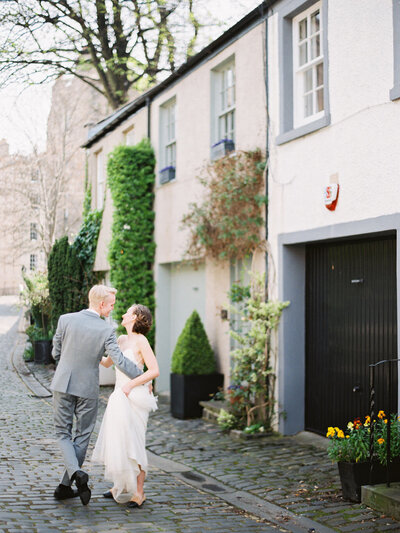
200 479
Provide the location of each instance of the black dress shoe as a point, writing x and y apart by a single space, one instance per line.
81 479
108 495
63 492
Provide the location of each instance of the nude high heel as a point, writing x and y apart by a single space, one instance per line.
136 501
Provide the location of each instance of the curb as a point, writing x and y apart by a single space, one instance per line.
23 372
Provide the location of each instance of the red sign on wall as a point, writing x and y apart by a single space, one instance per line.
331 194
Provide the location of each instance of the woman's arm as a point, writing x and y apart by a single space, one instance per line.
151 364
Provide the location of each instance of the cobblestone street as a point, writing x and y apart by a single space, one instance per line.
200 479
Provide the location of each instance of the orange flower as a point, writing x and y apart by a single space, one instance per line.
381 441
367 420
381 414
357 423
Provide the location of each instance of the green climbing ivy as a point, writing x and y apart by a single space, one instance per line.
131 179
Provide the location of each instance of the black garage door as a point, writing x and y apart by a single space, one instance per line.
351 321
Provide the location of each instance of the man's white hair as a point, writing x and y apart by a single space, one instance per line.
100 293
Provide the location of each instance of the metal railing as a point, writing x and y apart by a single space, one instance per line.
389 364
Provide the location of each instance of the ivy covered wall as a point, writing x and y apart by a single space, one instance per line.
131 178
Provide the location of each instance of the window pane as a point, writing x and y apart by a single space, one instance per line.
315 22
320 74
315 47
303 53
230 97
320 100
308 105
308 84
302 29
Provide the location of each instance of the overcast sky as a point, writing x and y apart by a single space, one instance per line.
24 110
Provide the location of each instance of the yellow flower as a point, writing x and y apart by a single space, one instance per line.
367 420
381 414
340 434
331 432
347 436
385 420
381 441
350 425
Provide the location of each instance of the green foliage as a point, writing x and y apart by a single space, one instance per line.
193 353
37 333
228 223
252 392
85 245
36 298
132 249
28 354
226 420
70 268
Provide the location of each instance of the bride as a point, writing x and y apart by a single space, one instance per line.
120 446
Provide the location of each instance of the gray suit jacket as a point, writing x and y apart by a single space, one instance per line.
78 345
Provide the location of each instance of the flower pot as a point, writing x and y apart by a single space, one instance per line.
188 391
354 475
42 351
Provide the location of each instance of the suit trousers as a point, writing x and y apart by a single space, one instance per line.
66 406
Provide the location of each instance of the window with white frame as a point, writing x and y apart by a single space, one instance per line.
99 180
33 231
168 141
224 102
308 66
33 260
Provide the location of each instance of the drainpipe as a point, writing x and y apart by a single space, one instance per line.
266 144
148 105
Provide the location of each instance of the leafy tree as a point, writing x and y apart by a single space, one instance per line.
193 353
118 44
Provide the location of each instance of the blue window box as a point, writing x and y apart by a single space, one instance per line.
221 148
167 174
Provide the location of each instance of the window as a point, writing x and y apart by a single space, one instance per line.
239 281
223 109
33 262
226 115
35 199
167 141
303 68
99 180
129 138
33 231
308 63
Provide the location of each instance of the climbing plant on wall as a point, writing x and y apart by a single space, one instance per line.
228 223
131 178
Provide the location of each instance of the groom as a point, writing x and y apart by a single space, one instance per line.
79 344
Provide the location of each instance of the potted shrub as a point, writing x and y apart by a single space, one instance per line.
36 298
350 448
194 377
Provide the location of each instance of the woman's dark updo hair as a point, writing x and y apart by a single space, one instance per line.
143 321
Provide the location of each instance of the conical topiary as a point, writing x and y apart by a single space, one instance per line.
193 353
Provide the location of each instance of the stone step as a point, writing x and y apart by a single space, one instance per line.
384 499
212 409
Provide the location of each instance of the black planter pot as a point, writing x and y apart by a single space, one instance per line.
354 475
42 351
188 391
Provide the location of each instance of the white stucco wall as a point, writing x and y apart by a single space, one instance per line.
360 144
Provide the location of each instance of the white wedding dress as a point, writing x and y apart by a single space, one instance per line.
120 446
